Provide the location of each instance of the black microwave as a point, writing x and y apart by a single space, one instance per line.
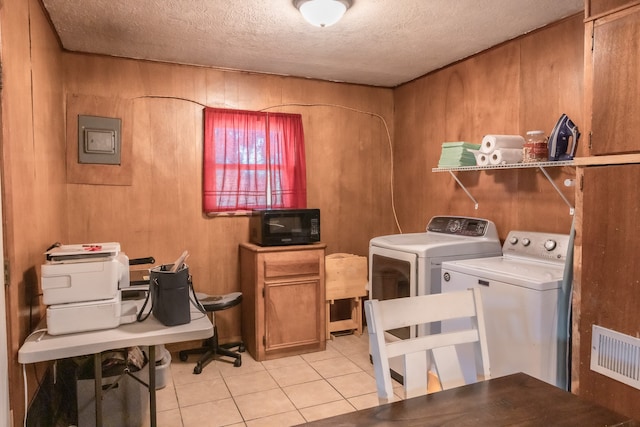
278 227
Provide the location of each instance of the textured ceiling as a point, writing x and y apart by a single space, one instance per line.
378 42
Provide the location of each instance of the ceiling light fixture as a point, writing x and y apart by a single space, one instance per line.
322 13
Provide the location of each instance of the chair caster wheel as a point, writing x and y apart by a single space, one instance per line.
241 348
198 369
237 363
183 356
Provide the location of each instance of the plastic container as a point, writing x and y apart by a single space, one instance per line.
535 148
125 403
162 366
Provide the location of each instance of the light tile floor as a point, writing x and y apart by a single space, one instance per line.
280 392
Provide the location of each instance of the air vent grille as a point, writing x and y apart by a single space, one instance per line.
616 355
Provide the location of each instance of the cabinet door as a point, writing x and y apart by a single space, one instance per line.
598 7
292 315
616 83
610 275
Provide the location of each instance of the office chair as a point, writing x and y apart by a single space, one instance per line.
442 348
211 348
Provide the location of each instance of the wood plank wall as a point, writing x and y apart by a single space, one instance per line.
33 176
522 85
159 214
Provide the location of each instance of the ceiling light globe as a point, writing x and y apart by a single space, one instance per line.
322 13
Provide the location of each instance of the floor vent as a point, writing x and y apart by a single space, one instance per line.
616 355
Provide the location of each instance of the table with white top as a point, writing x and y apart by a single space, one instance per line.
41 347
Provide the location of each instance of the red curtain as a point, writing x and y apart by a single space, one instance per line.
253 160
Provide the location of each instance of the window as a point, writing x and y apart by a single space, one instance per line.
253 160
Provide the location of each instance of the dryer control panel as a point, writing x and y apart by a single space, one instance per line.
462 226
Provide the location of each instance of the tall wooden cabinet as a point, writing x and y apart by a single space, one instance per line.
610 279
283 299
607 275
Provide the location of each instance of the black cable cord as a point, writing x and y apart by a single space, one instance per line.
31 310
55 245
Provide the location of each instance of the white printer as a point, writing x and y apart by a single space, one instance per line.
81 285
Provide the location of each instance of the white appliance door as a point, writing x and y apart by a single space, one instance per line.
521 326
393 274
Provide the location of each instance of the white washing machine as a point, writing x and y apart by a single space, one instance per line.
521 296
403 265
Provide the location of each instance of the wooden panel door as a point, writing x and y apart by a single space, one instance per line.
616 83
599 7
292 315
610 275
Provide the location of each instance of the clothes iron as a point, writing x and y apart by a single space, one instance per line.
562 132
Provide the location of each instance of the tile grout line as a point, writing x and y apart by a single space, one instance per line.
224 380
344 398
304 362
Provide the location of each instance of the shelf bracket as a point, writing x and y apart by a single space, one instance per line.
540 166
475 203
553 184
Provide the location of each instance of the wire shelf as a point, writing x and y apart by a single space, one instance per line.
506 166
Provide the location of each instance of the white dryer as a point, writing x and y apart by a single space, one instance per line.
521 298
403 265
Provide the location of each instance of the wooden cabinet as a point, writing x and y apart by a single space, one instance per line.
283 299
615 82
606 273
600 7
608 290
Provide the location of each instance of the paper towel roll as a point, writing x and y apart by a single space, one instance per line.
505 155
482 159
494 142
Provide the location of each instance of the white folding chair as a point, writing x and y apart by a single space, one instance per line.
443 347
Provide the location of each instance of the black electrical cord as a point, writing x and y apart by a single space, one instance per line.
55 245
31 310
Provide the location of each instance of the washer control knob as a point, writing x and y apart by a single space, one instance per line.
513 240
550 245
526 242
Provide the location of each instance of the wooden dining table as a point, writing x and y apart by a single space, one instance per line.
512 400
